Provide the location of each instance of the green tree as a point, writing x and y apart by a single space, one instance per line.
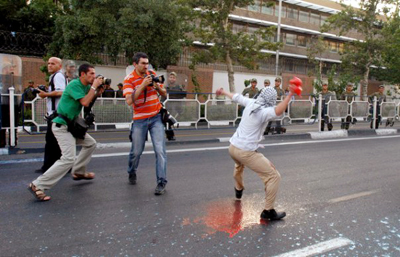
368 22
220 43
155 27
120 27
391 54
338 76
87 29
315 52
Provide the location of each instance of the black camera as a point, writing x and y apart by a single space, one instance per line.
106 81
41 87
169 121
88 115
159 79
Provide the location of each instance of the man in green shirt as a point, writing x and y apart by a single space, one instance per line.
80 92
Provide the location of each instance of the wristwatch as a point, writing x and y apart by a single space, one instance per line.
92 87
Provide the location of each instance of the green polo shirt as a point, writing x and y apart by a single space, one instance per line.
69 105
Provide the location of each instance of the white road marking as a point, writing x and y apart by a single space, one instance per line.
351 197
329 134
318 248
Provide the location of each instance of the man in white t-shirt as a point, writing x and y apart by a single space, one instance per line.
245 141
57 85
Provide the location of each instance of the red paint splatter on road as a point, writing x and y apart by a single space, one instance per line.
230 216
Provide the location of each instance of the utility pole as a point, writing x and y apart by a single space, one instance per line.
278 38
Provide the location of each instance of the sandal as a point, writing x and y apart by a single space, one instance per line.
86 176
38 193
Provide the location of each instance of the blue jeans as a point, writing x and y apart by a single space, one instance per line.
138 134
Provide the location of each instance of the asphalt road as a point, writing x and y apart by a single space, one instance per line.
333 191
36 141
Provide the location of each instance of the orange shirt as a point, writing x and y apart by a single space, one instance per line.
142 109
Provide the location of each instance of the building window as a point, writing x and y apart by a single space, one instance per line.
283 15
290 39
323 19
333 47
304 16
236 28
251 30
302 41
301 67
292 13
267 9
289 65
272 38
341 48
315 19
255 7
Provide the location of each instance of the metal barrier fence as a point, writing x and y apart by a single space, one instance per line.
112 111
115 111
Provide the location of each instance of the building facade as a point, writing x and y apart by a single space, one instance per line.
301 21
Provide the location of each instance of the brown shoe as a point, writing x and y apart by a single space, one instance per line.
86 176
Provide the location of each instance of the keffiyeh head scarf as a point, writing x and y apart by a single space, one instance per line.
266 98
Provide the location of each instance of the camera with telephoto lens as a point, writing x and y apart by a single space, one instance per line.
155 79
170 122
106 81
41 87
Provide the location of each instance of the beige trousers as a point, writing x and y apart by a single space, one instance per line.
68 157
259 164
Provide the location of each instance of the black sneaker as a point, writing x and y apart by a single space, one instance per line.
40 170
272 215
160 189
238 193
132 179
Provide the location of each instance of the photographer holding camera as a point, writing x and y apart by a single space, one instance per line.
140 91
52 151
80 92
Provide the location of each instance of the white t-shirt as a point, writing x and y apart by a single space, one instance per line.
59 85
251 128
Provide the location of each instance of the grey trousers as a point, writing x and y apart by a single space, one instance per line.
68 158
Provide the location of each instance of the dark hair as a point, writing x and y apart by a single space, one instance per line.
84 68
139 55
120 85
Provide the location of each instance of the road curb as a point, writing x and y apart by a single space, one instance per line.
308 135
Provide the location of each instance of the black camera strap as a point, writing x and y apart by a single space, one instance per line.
52 86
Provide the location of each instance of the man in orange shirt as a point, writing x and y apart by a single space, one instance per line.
141 92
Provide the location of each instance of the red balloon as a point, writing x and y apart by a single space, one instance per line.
298 83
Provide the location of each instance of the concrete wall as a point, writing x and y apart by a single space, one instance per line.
31 71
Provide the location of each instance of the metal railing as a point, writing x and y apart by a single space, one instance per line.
111 111
215 112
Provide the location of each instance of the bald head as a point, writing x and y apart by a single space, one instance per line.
54 65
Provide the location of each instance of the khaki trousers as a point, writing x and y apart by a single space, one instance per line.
68 158
260 165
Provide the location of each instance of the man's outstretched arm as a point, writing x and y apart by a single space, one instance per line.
221 91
